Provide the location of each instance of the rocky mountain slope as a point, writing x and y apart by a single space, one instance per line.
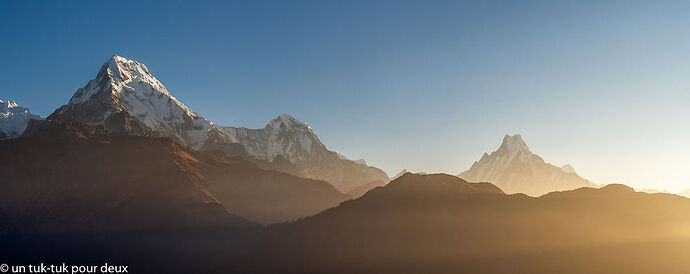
14 119
515 169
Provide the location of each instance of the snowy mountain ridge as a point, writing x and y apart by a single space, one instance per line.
14 119
283 136
514 168
291 139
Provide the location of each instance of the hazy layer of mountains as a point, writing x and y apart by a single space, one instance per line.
442 224
515 169
126 98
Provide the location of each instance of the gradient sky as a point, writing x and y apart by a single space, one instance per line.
422 85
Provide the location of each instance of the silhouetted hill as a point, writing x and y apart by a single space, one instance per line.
74 178
442 224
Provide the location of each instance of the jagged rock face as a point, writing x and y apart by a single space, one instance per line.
125 88
14 119
287 138
515 169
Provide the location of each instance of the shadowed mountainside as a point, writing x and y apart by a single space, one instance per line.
73 178
441 224
81 194
92 176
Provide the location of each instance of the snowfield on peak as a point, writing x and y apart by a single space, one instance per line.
126 86
515 169
283 136
14 119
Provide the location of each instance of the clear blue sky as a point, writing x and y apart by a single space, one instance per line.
422 85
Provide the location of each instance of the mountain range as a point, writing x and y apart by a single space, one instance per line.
515 169
126 98
126 172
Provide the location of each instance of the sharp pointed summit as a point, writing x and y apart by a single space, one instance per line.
514 168
514 144
126 97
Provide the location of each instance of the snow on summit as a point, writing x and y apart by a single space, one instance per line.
283 136
296 142
14 119
127 86
514 168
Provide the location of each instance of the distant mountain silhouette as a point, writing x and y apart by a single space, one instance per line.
442 224
515 169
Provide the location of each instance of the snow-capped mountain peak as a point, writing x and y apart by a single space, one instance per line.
514 144
127 87
290 123
514 168
120 71
283 136
13 119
